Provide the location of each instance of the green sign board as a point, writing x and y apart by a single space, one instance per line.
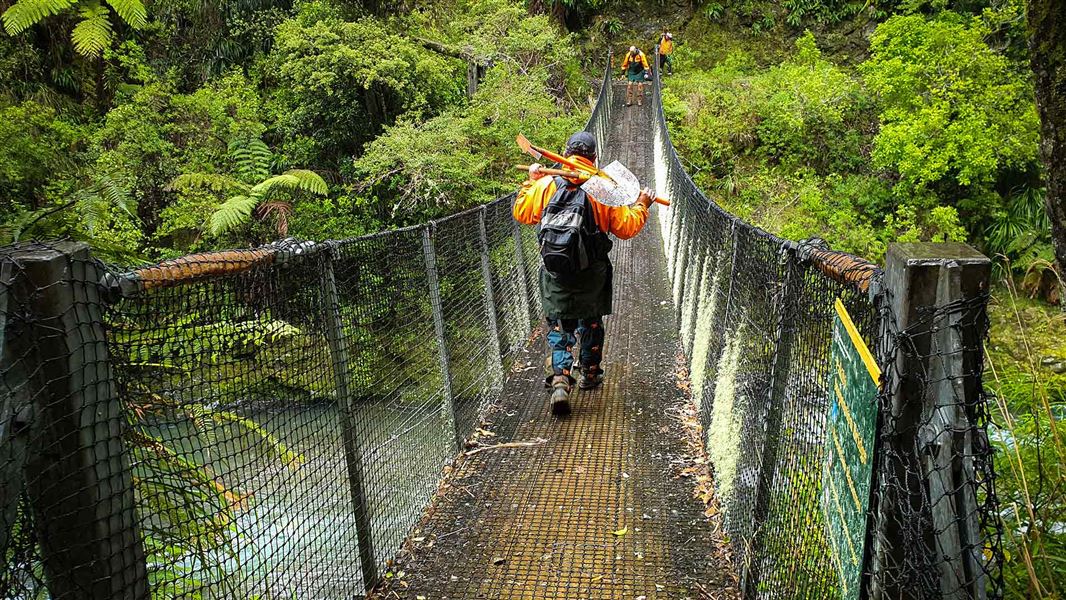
852 385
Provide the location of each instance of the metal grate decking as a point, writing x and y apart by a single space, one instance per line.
604 508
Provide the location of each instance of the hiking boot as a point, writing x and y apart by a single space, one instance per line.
560 399
590 379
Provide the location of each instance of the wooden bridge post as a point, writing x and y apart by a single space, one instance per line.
76 471
496 364
784 331
433 281
353 456
929 426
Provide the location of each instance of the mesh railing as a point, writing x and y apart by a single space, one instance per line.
757 316
266 423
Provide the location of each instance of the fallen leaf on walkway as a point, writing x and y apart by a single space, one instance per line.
621 532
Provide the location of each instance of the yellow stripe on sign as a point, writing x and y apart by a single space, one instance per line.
844 523
847 471
852 425
841 375
856 339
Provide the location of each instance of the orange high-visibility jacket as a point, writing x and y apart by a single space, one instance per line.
630 57
622 221
666 47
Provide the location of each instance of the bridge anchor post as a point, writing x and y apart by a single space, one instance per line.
934 452
67 430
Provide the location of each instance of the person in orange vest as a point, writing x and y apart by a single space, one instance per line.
576 273
666 48
635 67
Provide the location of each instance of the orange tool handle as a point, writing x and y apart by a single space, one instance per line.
560 172
662 201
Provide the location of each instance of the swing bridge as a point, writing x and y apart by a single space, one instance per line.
367 416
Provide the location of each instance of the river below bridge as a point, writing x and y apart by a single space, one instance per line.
295 534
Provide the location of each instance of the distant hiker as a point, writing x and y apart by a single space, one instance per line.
635 67
576 272
666 48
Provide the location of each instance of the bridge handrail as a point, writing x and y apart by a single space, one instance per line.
758 315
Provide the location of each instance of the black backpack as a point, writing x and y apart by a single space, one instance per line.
569 239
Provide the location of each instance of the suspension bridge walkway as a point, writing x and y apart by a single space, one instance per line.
367 417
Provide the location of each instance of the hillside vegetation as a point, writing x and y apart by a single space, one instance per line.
195 126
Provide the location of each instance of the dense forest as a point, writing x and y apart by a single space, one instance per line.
156 129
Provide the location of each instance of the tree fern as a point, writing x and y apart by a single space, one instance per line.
210 181
131 11
26 13
92 35
96 202
232 213
294 179
251 157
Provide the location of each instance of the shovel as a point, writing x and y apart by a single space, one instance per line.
614 185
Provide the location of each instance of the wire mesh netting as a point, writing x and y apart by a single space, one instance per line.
274 422
756 315
283 415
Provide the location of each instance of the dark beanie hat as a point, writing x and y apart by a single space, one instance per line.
582 143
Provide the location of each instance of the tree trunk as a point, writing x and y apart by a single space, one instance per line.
1047 55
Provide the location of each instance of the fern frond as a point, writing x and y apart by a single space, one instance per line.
25 13
252 158
131 11
211 181
232 213
295 179
92 35
114 194
309 181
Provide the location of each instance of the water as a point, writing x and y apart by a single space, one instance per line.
295 534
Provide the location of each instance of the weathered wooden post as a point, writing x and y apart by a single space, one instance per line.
433 282
77 472
927 488
338 348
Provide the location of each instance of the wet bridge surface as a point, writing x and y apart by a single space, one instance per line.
602 504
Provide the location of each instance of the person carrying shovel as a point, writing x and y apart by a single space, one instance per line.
635 67
576 271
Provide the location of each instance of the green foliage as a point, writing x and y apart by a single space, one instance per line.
952 109
458 159
93 33
338 83
1026 372
251 160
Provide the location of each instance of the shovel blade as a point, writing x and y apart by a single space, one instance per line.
607 192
